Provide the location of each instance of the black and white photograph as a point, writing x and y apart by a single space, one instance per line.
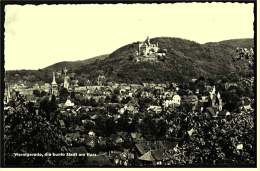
129 85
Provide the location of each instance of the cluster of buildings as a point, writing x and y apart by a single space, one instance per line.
52 88
84 116
160 96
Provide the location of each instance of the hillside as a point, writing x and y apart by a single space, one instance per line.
184 60
72 65
246 43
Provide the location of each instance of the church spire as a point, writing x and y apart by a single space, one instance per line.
218 95
66 79
54 86
8 97
53 79
148 40
65 71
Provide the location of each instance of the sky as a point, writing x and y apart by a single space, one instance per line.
39 36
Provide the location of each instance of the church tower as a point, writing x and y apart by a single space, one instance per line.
54 86
66 79
148 41
8 95
220 102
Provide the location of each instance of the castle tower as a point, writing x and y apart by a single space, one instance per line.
54 86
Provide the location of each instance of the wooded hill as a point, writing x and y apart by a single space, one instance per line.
184 60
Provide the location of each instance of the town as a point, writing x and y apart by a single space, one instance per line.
209 122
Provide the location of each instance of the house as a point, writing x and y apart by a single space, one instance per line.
156 109
91 133
80 88
157 157
68 103
159 89
144 146
169 103
229 84
176 99
127 108
147 156
141 149
194 80
36 86
245 104
212 111
136 136
46 87
62 124
136 86
204 99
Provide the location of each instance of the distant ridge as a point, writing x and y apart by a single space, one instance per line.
245 43
184 60
72 65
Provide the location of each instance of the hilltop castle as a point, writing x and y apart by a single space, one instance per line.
146 48
148 51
